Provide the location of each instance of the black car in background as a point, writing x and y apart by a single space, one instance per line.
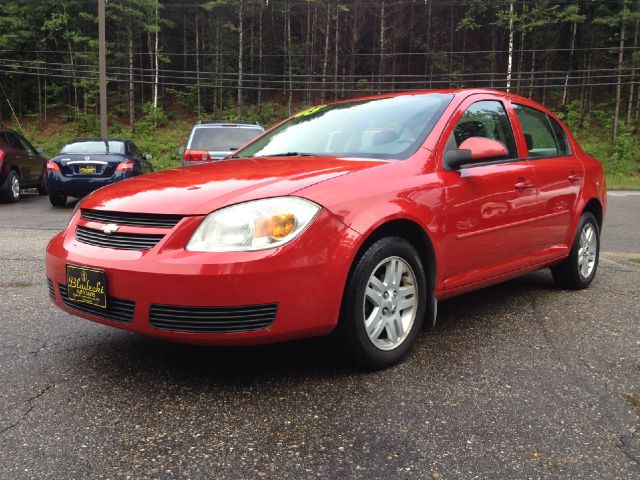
21 166
86 164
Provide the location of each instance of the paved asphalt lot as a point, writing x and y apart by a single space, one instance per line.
516 381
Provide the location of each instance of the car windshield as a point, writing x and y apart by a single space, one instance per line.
390 128
93 146
222 139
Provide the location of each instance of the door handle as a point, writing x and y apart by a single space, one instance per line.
574 178
524 185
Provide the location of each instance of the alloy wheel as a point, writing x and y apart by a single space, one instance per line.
587 250
15 187
390 303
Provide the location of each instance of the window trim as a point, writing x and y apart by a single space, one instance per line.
548 117
506 107
569 153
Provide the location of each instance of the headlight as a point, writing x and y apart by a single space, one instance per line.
255 225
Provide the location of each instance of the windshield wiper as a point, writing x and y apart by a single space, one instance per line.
289 154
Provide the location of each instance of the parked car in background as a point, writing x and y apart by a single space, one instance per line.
215 140
21 166
86 164
357 216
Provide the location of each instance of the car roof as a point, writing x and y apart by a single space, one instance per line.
226 123
457 92
98 139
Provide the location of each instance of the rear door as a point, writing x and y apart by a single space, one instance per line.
36 166
490 206
19 156
558 176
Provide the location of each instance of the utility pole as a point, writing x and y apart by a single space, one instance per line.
102 70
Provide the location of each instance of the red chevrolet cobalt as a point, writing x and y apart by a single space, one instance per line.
355 217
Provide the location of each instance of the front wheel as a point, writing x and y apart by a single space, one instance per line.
578 270
384 304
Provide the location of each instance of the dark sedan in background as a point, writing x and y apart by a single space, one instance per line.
84 165
21 166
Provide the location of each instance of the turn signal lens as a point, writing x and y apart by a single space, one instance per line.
277 226
282 225
52 166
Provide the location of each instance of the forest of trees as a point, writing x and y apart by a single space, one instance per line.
208 56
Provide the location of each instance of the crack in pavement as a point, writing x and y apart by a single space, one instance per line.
31 402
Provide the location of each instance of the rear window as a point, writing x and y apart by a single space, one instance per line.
94 146
222 139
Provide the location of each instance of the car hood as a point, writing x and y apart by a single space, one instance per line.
201 189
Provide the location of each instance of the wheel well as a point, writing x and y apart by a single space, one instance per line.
595 207
415 235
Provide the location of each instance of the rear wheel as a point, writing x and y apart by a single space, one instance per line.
384 304
12 193
579 269
58 199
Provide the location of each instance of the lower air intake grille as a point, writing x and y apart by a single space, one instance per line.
50 287
212 319
117 309
124 241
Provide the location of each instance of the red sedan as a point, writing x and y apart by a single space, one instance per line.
357 217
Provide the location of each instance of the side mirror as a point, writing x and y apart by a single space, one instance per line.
148 156
475 150
181 151
40 150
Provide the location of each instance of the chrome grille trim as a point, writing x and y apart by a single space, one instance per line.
123 241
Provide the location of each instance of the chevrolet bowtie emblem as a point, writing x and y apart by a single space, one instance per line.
110 228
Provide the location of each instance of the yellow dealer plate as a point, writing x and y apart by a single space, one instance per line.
87 285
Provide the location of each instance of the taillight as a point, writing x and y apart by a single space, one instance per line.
127 166
196 156
52 166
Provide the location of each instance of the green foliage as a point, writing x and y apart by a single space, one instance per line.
153 118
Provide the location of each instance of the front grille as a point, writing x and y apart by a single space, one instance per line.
133 219
125 241
212 319
117 309
50 287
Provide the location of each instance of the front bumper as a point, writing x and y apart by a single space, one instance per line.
304 278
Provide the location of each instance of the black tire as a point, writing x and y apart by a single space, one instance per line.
568 274
10 194
351 328
42 187
58 199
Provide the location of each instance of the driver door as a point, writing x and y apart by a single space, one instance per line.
490 206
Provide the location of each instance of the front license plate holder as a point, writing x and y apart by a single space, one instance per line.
87 285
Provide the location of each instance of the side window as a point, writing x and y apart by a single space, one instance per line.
13 141
537 131
25 144
487 119
134 150
561 137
